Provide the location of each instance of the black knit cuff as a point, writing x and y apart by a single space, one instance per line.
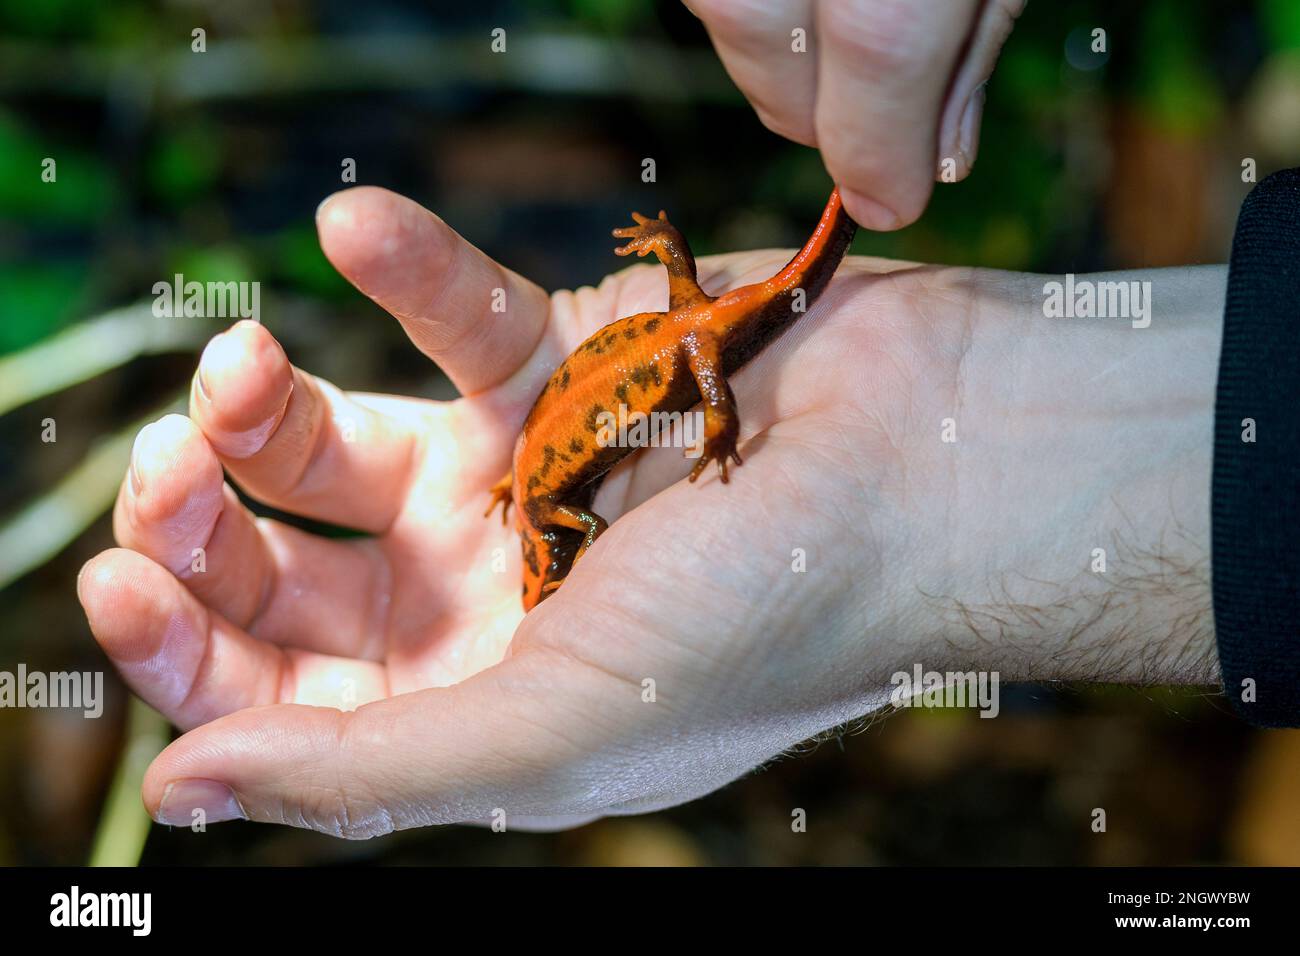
1256 485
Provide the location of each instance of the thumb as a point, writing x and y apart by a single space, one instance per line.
884 70
963 111
505 740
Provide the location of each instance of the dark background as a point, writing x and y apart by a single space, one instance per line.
212 164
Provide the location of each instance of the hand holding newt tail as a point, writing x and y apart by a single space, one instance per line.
465 706
646 364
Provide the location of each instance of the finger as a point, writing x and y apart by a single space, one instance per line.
478 320
273 581
884 69
192 664
512 740
774 68
298 443
959 128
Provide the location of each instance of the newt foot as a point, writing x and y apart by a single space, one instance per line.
501 494
719 449
646 236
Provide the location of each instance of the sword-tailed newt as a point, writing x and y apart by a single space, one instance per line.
651 362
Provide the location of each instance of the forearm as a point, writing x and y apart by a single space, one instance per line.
1082 479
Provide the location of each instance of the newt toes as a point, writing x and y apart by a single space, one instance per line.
501 494
720 458
654 362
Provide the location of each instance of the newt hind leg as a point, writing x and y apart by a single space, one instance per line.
721 422
573 517
663 239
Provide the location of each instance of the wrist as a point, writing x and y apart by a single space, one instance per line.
1080 514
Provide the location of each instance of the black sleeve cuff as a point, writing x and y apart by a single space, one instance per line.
1256 483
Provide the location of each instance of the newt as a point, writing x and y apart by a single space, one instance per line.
651 362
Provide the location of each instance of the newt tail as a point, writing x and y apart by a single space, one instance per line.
654 362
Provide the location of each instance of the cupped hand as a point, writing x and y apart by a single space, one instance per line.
886 89
931 468
359 685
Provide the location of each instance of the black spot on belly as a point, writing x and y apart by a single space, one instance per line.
575 446
643 375
593 418
564 379
629 332
530 557
652 326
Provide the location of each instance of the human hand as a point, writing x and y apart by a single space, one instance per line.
885 89
465 710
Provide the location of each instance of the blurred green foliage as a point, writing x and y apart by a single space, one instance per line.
1009 219
185 161
55 18
36 301
77 196
300 263
612 16
1178 90
1281 21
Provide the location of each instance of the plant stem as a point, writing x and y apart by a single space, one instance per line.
91 348
124 826
44 527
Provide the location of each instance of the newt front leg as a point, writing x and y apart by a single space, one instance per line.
721 423
663 239
502 494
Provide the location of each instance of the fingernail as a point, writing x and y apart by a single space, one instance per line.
968 132
80 575
186 802
200 379
133 471
868 213
323 203
201 384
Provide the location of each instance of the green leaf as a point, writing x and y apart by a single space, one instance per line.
78 195
1281 23
227 263
36 299
185 164
301 263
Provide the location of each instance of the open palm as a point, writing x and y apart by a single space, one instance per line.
361 685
